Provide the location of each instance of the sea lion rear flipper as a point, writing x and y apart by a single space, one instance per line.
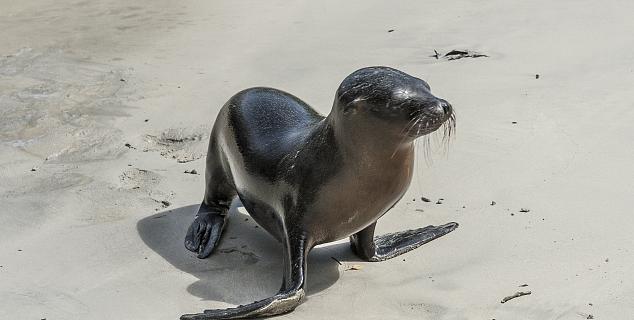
390 245
278 304
287 299
204 233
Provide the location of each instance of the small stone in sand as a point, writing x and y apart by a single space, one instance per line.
537 76
391 30
34 169
525 210
165 203
514 122
590 317
191 171
439 201
146 120
493 203
425 199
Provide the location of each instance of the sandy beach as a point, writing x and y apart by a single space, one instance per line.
104 106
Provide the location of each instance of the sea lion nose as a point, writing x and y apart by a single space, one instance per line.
445 106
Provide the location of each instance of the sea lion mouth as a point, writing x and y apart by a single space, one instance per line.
423 122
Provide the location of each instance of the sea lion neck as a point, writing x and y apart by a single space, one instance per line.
365 140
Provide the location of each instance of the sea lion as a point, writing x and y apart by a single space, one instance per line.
309 179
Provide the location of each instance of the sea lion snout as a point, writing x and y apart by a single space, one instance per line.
434 107
444 107
429 115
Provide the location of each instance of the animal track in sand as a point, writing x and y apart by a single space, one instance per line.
181 144
136 178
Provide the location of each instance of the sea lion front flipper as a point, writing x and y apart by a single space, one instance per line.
204 233
390 245
287 299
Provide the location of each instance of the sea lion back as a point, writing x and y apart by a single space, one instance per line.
271 123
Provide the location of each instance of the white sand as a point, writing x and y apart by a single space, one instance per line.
86 237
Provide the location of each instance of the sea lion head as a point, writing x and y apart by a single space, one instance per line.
392 102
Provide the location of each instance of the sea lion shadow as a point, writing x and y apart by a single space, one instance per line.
247 265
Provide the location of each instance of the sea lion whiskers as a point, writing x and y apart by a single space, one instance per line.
418 115
426 146
412 122
449 127
426 149
448 131
406 131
